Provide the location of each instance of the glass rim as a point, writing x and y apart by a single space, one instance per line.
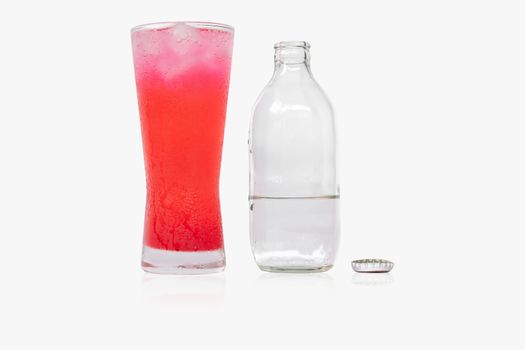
196 24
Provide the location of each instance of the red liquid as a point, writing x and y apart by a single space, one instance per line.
182 101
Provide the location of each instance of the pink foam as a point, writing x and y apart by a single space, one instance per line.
175 50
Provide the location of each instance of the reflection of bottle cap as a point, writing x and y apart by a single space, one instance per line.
372 265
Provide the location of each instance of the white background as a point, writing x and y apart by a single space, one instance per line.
430 102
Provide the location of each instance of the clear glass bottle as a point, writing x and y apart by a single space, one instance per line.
294 193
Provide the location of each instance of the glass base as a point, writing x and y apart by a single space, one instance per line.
182 263
295 269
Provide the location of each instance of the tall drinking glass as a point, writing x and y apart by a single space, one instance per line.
182 73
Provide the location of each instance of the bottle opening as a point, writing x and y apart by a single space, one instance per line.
291 44
292 52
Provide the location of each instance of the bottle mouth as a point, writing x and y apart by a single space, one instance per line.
292 52
291 44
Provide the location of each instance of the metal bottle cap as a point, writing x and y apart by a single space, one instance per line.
372 265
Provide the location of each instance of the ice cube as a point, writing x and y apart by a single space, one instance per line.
146 42
185 34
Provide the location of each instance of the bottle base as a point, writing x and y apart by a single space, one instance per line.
295 269
182 263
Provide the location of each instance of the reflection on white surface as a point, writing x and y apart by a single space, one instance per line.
294 278
372 279
294 289
183 293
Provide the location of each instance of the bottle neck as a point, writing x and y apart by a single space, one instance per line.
292 58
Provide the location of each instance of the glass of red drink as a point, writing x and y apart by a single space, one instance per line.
182 72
